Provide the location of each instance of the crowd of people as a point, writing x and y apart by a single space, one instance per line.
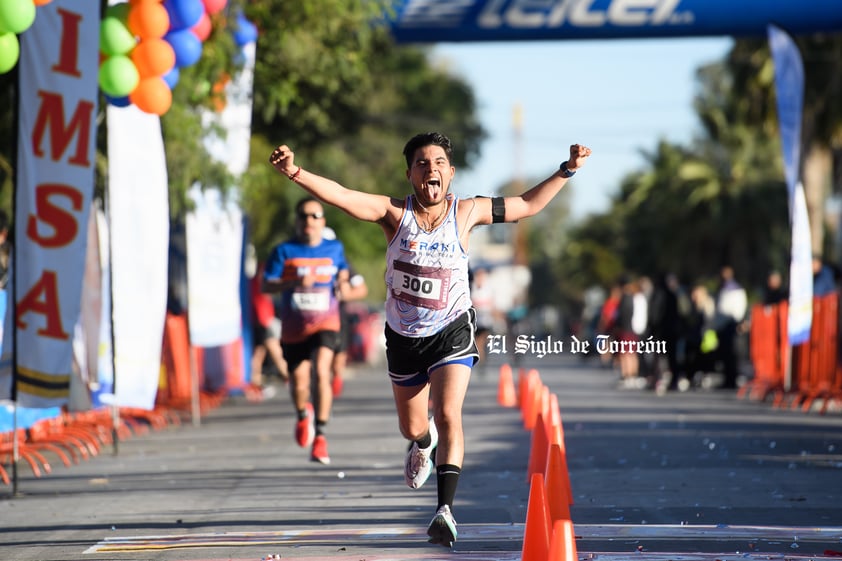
704 326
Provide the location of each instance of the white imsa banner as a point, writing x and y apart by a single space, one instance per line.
58 68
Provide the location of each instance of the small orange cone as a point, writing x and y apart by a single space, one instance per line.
536 532
538 448
558 485
554 418
563 542
556 436
506 395
534 403
522 387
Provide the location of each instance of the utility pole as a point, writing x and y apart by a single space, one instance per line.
520 249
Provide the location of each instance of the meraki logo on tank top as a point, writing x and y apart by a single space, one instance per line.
413 246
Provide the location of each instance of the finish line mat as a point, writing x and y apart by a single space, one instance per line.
787 537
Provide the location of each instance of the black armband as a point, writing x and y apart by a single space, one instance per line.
498 210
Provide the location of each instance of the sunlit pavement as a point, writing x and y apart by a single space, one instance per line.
683 476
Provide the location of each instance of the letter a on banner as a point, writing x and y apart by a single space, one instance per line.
789 85
59 63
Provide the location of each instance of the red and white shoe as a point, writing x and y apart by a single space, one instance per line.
305 429
319 452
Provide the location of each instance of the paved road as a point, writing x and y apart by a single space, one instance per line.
696 475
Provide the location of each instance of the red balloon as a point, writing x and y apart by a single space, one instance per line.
202 30
152 95
153 57
214 6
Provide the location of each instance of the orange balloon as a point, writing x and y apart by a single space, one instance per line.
153 57
152 95
41 2
148 20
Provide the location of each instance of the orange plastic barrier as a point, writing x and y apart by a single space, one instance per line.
768 351
815 374
816 369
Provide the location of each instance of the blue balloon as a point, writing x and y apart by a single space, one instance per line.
184 14
118 101
171 77
187 47
245 31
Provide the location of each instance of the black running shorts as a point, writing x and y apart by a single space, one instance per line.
296 353
411 359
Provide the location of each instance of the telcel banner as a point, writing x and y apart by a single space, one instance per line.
434 21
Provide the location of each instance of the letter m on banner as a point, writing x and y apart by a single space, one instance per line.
57 104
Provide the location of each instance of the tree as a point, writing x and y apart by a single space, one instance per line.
752 74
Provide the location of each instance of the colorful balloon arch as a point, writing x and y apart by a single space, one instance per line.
142 43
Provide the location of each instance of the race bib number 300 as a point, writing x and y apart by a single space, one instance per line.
426 287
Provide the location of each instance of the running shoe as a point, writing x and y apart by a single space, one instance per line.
319 452
442 530
419 465
305 429
337 384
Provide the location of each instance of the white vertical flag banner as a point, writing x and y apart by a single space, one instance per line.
789 87
215 229
214 247
139 218
104 384
59 64
86 340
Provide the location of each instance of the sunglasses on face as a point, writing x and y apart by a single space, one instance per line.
313 215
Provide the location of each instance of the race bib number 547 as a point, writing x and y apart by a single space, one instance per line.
426 287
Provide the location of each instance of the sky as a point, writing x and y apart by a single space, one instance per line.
619 97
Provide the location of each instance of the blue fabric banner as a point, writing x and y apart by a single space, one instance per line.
435 21
789 86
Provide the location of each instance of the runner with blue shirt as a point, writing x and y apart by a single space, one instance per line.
307 270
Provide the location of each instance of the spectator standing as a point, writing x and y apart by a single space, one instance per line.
774 292
266 335
731 308
357 289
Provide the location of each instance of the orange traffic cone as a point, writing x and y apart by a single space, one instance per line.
563 542
506 395
556 436
535 402
538 448
557 483
536 532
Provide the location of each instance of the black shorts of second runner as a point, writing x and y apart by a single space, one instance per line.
411 359
296 353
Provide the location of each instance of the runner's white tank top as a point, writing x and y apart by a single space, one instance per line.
426 275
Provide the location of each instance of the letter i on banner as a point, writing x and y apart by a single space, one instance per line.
789 85
54 187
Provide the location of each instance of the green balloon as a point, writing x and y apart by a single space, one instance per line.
9 51
16 15
118 76
114 37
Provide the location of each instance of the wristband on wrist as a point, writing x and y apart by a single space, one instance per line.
564 171
295 175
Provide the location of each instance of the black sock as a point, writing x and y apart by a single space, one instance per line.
302 414
447 477
320 427
425 441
